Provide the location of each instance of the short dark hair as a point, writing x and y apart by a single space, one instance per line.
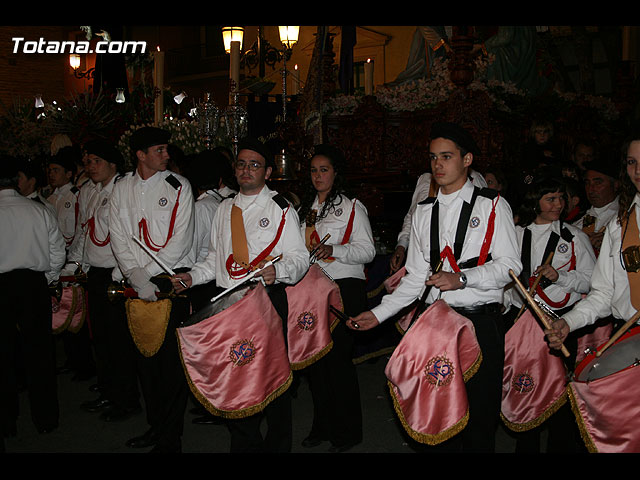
540 186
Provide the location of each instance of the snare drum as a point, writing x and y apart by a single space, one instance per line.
427 374
234 355
604 395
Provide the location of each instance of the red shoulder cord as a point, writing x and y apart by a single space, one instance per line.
447 252
91 227
144 228
236 271
540 291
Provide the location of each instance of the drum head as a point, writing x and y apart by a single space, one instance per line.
219 305
623 354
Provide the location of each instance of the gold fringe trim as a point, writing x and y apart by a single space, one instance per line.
148 352
423 437
586 438
73 309
374 293
232 414
473 369
536 422
313 358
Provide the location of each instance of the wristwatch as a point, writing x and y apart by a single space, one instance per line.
463 280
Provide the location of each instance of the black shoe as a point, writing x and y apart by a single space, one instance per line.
342 448
312 441
148 439
96 405
44 430
114 413
208 419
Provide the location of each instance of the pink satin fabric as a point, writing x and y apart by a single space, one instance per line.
69 313
427 374
607 409
534 379
229 376
591 341
309 322
406 315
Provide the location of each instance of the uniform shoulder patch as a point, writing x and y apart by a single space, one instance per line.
488 193
173 181
281 201
427 201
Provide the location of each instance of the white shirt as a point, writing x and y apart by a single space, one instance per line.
153 199
575 282
420 193
360 249
603 215
485 283
206 207
30 237
261 217
609 294
94 203
64 199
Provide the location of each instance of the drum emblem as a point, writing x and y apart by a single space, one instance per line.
162 202
264 222
439 371
474 222
306 321
523 383
242 352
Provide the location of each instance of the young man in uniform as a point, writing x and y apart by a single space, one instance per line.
472 278
91 249
263 211
155 206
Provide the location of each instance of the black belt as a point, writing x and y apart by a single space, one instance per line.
486 309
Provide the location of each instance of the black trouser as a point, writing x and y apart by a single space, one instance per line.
164 385
333 380
114 349
25 307
245 432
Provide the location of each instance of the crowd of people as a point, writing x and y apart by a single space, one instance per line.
151 246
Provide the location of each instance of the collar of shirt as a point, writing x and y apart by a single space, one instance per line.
63 189
9 192
465 193
246 201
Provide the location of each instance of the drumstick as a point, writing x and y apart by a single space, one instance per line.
423 299
535 285
313 252
342 316
619 333
247 278
157 260
536 308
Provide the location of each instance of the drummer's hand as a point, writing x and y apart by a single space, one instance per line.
445 281
365 321
268 274
557 334
547 271
175 281
324 251
397 259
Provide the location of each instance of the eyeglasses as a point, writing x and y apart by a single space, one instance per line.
253 166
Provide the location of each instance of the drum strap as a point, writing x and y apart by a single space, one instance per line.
630 239
552 243
238 264
312 238
463 222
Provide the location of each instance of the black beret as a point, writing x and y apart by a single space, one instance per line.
256 145
67 157
455 133
106 151
9 167
146 137
333 153
607 166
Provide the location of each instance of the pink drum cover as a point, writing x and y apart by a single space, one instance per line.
534 380
309 323
427 374
591 340
236 361
391 283
69 312
607 409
